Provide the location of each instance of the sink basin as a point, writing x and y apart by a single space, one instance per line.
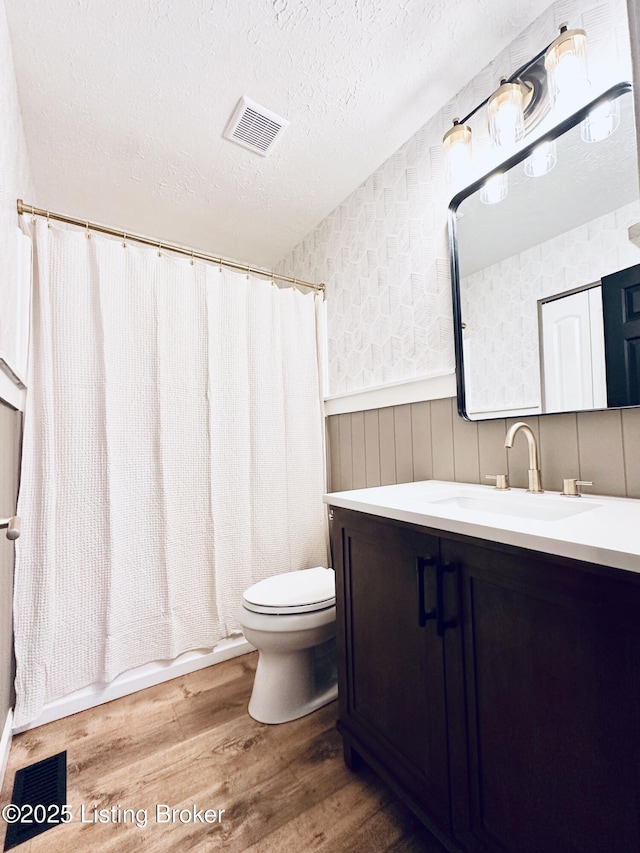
534 507
598 529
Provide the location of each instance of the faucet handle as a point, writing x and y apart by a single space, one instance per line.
570 487
502 481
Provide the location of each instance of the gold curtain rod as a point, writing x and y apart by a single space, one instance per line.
169 247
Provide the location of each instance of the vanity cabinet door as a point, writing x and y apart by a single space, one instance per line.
552 671
391 659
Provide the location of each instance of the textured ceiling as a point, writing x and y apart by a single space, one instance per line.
125 104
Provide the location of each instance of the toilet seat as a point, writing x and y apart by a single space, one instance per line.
302 591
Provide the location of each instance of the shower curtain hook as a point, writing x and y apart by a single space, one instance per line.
295 284
48 220
33 215
191 259
248 276
219 264
86 231
124 240
159 250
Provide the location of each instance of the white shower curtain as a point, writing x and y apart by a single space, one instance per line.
173 455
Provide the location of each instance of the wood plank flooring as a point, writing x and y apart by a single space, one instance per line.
190 742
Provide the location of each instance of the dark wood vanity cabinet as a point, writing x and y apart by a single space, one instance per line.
393 673
497 690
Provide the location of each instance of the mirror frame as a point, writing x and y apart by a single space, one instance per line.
566 124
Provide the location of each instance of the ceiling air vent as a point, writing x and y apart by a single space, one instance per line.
255 127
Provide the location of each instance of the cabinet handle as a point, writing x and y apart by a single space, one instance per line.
424 615
442 623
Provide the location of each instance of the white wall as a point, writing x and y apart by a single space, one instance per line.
15 181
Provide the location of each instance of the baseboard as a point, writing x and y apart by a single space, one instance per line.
5 745
138 679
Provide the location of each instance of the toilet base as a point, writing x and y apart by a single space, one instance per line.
291 684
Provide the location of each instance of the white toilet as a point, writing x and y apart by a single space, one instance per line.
291 620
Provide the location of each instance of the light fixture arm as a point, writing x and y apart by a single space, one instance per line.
512 79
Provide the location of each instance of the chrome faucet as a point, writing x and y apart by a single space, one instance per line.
535 480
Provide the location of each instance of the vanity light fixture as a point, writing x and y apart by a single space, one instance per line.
565 62
556 76
541 160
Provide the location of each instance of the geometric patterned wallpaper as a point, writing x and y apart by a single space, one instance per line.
499 307
383 253
384 258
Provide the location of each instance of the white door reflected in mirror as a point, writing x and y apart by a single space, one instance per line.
572 344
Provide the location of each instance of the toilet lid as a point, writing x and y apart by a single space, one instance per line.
293 592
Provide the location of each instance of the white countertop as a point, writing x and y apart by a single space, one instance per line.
606 530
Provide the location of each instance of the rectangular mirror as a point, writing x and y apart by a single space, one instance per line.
546 282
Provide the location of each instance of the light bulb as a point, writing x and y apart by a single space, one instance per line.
457 151
494 189
601 122
566 64
506 115
541 160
